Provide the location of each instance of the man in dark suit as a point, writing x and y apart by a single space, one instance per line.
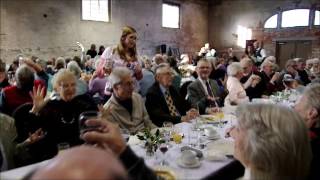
205 93
163 101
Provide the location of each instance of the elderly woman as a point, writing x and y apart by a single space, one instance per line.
126 107
125 54
308 106
148 76
58 117
271 142
237 93
82 86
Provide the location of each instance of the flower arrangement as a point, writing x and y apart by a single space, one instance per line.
151 140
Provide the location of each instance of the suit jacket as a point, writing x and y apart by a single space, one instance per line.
157 106
197 95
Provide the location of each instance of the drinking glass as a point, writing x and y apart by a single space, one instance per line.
167 132
83 117
163 148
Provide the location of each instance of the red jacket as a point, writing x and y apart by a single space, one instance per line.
12 97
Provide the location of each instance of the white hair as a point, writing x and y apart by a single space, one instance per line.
276 143
117 74
271 59
74 67
60 76
234 68
312 93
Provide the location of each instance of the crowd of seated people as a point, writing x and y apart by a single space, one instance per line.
45 102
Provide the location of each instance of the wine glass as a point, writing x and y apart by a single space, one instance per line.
83 117
163 148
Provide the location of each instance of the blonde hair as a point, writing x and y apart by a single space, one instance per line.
120 48
276 142
60 76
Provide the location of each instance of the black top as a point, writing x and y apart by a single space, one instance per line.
315 146
304 77
59 120
92 53
257 91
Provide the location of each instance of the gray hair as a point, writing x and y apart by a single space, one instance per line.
74 67
276 143
42 63
61 76
312 93
234 68
60 63
24 77
161 68
118 74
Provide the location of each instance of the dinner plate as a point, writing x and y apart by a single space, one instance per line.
195 165
217 136
222 145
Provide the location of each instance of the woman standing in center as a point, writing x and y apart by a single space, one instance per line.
125 55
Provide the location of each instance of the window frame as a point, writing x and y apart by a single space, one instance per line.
179 19
109 13
310 12
314 18
311 20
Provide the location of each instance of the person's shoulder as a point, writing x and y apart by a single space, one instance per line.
137 96
9 88
195 83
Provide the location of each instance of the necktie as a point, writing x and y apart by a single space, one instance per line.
172 108
211 103
209 89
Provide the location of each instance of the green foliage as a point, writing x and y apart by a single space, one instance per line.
151 139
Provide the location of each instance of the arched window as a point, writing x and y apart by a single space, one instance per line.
296 17
271 22
293 18
317 18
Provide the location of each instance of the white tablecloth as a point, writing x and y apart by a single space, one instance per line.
206 167
174 152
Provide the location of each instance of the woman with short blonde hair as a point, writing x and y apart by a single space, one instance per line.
272 142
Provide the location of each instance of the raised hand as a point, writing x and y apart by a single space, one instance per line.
108 136
37 96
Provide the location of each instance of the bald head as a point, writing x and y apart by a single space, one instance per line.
82 162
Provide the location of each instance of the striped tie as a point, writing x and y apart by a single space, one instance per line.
172 108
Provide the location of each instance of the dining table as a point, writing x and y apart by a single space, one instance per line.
206 167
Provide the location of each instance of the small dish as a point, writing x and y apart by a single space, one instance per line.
195 165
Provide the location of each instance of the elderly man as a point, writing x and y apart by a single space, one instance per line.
256 89
13 96
126 107
308 106
301 65
164 102
204 93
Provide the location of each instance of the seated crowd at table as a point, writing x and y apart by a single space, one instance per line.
41 102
